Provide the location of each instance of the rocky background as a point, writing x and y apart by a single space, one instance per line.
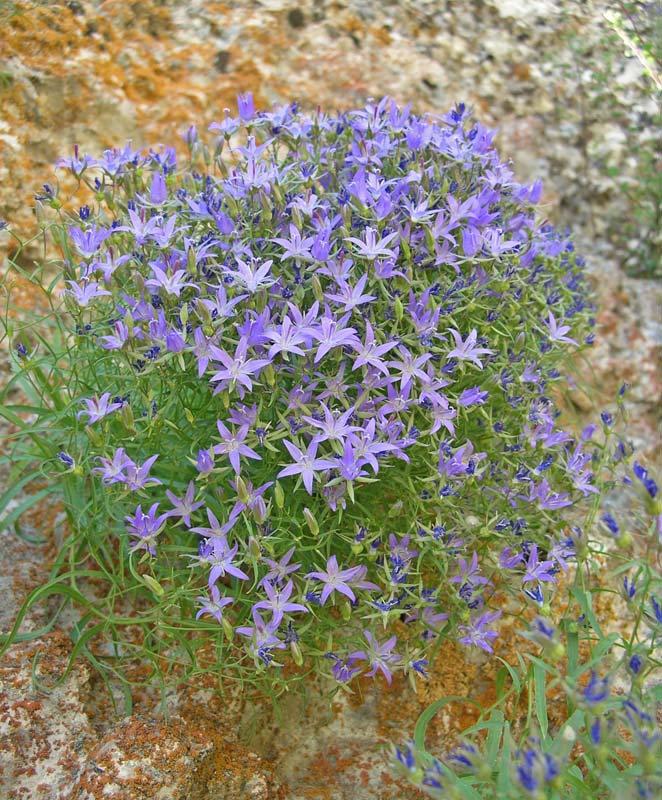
98 72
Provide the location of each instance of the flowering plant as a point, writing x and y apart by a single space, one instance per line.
298 395
579 714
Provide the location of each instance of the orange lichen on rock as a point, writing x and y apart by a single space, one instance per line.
141 758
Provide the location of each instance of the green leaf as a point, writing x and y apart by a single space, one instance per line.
495 732
503 775
32 500
540 688
420 729
586 606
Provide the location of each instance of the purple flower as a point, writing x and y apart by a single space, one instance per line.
306 463
379 656
472 396
369 353
157 191
467 350
88 242
635 663
253 500
162 232
399 551
205 461
138 477
172 282
263 638
118 339
215 528
469 572
112 470
217 553
77 165
214 606
185 506
611 523
98 408
237 368
546 498
334 426
146 527
332 333
538 570
295 246
66 459
371 248
410 366
253 277
334 580
344 669
648 483
557 332
246 106
508 559
287 338
228 126
232 445
352 296
597 689
477 632
470 241
535 768
88 290
279 570
536 594
221 306
174 341
278 601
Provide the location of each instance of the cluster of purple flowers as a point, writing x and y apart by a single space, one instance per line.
356 312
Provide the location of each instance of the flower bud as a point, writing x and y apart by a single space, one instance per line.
624 541
242 491
94 437
265 203
278 194
259 511
396 509
227 629
399 309
311 521
128 321
270 375
127 419
345 610
254 548
190 261
203 313
279 495
297 655
154 585
260 300
317 289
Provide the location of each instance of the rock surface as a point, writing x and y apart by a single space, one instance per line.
149 759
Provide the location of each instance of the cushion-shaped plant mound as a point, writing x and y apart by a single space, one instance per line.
304 391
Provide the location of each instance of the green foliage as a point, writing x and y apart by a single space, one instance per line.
604 738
